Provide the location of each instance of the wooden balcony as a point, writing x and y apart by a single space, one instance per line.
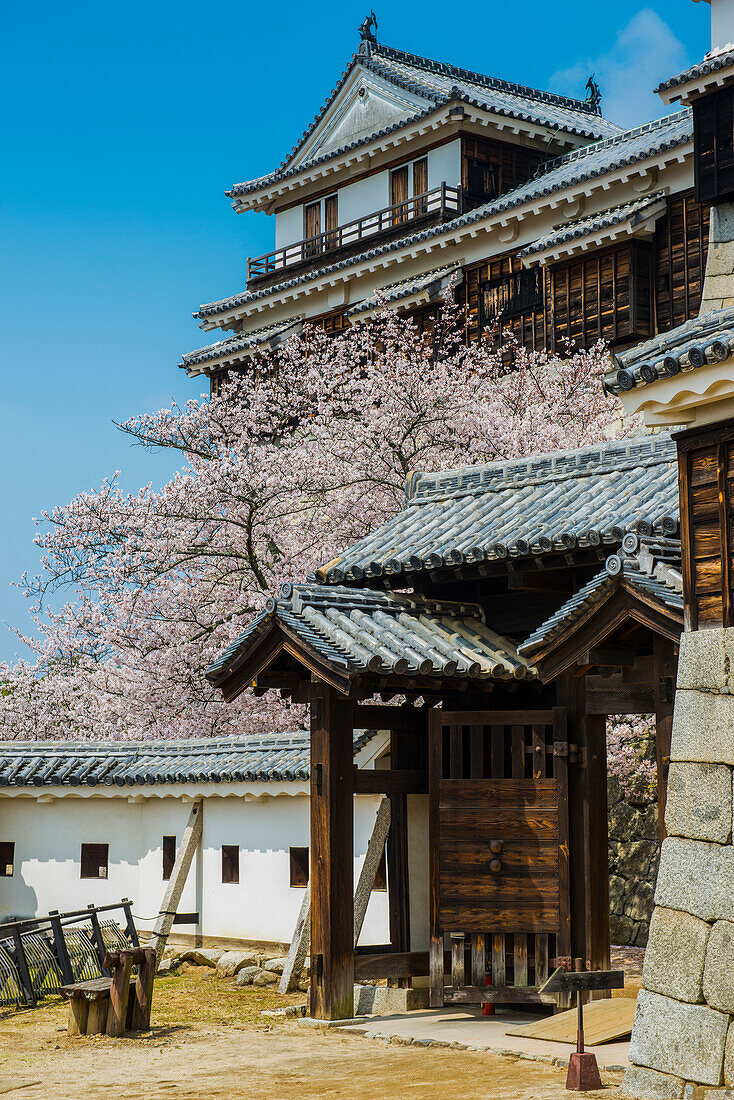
402 218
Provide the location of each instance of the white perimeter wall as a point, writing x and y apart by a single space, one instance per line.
373 193
262 906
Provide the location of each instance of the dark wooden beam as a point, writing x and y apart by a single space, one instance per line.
332 855
393 965
392 782
370 716
666 671
597 843
398 878
607 658
588 840
609 695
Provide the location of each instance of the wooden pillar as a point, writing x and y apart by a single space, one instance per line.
665 674
397 856
588 825
597 844
332 855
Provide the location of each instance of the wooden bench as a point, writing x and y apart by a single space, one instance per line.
104 1006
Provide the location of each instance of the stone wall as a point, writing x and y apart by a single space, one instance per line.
683 1036
633 864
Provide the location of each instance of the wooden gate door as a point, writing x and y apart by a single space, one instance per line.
498 787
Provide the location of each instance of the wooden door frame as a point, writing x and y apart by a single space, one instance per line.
438 721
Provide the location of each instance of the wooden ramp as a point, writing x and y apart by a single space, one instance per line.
604 1021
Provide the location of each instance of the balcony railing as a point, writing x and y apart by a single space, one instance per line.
432 207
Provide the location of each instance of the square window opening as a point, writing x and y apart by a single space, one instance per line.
299 866
230 863
95 860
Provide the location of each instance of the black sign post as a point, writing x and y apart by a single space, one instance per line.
583 1071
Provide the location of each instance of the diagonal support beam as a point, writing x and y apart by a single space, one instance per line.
302 935
375 849
177 881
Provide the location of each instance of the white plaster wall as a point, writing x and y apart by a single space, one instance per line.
373 193
722 23
444 164
262 906
288 226
48 838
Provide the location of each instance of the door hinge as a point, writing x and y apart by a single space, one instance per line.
560 748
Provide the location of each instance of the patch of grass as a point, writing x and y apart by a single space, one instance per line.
189 999
202 998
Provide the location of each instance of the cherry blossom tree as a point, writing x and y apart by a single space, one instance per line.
298 457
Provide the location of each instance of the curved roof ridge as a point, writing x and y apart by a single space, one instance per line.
445 68
591 458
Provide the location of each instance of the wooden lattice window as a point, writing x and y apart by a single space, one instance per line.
604 296
7 858
706 461
681 245
169 856
506 297
526 326
299 866
230 863
713 140
490 168
95 860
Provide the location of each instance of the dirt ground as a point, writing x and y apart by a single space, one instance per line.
210 1040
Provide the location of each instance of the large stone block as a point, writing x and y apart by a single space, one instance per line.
729 1058
703 663
684 1040
696 877
703 728
718 975
699 802
675 956
648 1084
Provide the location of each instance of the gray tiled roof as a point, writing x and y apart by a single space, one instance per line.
439 83
360 631
653 566
276 756
705 339
581 165
713 62
550 502
239 342
396 292
635 210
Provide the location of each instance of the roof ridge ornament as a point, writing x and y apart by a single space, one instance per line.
368 37
593 95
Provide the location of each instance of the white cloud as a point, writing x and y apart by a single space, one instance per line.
645 53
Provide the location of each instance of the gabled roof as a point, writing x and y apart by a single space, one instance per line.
430 286
545 504
703 340
716 68
436 83
627 218
236 347
651 567
246 759
579 166
357 632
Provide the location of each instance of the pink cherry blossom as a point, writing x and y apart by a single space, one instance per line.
300 456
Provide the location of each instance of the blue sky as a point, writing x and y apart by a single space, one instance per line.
122 126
